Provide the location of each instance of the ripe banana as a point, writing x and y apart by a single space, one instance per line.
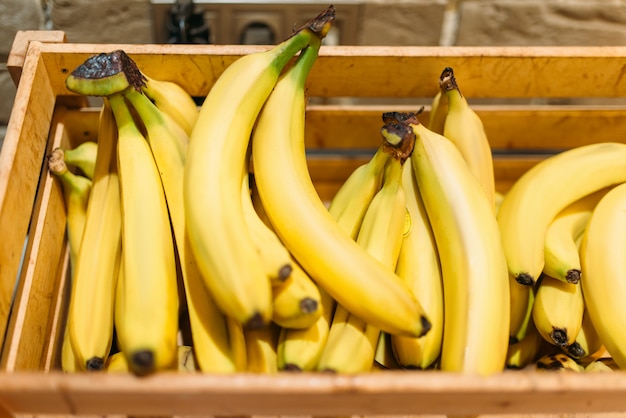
148 335
418 264
558 362
352 341
363 286
117 362
172 99
92 295
587 341
83 157
522 300
524 352
300 349
438 112
476 326
208 324
602 259
558 310
543 191
561 253
215 163
604 364
465 129
261 345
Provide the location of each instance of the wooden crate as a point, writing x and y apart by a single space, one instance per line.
533 100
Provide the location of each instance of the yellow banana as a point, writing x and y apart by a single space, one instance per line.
226 255
92 295
148 336
297 301
537 197
83 157
363 286
418 264
524 352
561 253
172 99
117 362
603 264
558 310
476 326
521 312
299 349
207 322
603 364
587 340
558 362
353 348
438 112
465 129
261 345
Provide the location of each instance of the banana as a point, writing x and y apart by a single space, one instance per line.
261 345
352 341
92 295
558 310
476 326
418 264
558 362
438 112
83 157
148 335
522 300
275 257
537 197
465 129
297 301
208 324
363 286
226 255
76 189
603 364
602 261
299 349
172 99
117 362
524 352
587 340
561 253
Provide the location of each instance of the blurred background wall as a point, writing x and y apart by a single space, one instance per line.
360 22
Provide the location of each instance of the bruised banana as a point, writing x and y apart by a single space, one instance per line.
559 362
476 326
83 156
562 257
465 129
208 325
148 334
603 261
172 99
558 310
418 264
226 255
363 286
537 197
92 295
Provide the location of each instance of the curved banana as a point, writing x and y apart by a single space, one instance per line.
561 253
92 295
117 362
172 99
353 348
261 347
299 349
83 156
559 362
363 286
587 340
148 335
438 112
603 364
215 164
465 129
418 264
543 191
521 312
208 324
604 268
476 326
558 310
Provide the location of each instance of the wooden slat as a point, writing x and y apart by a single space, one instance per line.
392 72
19 48
20 164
